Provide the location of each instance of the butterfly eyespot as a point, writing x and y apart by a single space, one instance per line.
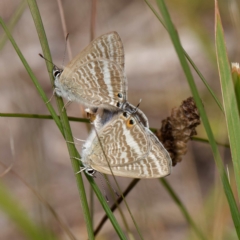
131 122
118 104
125 114
120 95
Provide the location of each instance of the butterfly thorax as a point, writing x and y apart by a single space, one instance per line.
137 113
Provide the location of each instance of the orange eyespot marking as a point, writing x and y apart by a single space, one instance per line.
130 123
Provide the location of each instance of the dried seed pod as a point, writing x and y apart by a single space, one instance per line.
177 129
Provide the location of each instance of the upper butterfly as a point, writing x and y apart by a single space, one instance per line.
125 147
95 77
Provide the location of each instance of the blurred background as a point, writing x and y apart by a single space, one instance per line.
38 151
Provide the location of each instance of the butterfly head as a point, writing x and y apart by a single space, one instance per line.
56 72
91 172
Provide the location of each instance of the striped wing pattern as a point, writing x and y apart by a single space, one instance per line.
96 83
108 46
96 77
131 152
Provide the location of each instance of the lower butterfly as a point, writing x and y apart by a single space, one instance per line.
124 146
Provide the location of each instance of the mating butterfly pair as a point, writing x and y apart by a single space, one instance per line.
123 141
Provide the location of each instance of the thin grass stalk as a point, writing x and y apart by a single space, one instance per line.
64 120
229 97
190 61
176 42
39 116
32 76
236 81
132 184
17 214
97 192
182 208
13 21
45 203
94 186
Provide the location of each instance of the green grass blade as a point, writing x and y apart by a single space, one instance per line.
97 192
85 120
176 42
190 60
32 76
39 116
229 97
20 217
64 119
198 139
132 184
182 208
236 81
13 21
42 36
106 208
68 136
204 81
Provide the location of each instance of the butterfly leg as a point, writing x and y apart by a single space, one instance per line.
78 139
81 170
50 99
67 104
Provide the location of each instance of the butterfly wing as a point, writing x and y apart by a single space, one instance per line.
157 164
96 83
108 46
130 151
121 143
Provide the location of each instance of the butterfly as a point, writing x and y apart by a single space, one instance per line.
123 145
96 76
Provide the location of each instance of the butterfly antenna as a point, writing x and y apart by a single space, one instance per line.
103 188
48 60
109 184
66 105
136 108
65 49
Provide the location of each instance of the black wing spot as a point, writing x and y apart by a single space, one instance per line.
125 114
120 95
131 122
